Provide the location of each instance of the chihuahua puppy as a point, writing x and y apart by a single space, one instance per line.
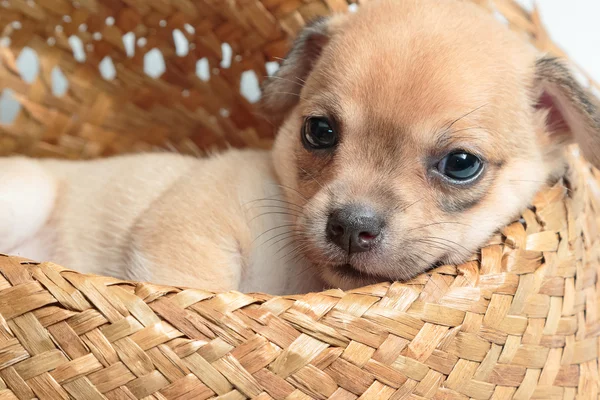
409 133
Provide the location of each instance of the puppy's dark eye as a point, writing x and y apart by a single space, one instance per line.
460 166
318 133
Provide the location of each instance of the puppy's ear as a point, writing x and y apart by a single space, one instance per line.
573 113
282 91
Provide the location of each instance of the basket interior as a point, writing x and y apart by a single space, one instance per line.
83 79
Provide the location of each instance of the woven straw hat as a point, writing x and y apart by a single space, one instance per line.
518 321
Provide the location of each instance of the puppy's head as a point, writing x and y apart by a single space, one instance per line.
412 130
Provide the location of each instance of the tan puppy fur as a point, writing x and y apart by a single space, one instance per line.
163 218
403 84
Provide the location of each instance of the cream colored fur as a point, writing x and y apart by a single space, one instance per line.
164 218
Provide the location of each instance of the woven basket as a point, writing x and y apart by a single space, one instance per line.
519 321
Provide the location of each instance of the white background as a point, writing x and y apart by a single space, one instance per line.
575 27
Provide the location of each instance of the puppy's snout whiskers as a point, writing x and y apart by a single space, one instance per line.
291 232
438 223
444 240
295 252
408 206
274 213
273 199
290 211
297 235
272 229
295 191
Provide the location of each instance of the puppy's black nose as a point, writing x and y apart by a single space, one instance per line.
354 228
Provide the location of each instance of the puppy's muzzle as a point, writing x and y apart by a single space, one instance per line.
354 228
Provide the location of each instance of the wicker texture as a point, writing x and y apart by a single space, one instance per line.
136 112
518 322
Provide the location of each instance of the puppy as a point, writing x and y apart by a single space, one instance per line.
409 133
218 223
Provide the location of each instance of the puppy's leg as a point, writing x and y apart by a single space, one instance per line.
202 264
27 196
180 257
182 241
